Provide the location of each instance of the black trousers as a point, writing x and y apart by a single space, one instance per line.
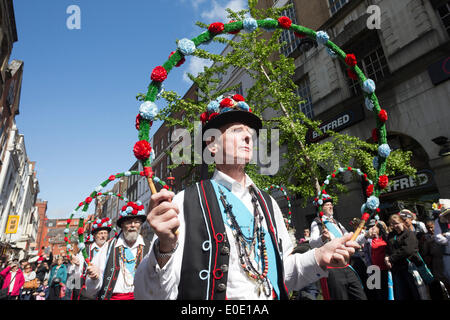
344 284
404 286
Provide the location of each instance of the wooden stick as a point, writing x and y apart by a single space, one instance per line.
358 230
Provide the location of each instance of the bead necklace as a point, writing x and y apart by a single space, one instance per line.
124 260
247 245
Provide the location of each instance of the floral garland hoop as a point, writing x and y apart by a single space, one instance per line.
368 209
288 218
97 192
185 47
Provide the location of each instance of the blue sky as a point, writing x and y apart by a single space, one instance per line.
78 105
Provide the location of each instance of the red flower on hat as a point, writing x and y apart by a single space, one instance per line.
124 208
212 115
369 190
134 212
182 60
142 150
383 181
233 32
365 216
351 74
284 22
216 27
350 60
299 35
375 135
226 103
112 178
159 74
238 97
204 117
383 116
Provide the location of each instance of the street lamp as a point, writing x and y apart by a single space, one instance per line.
444 143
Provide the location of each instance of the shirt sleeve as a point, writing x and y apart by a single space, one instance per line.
94 286
300 269
439 237
152 282
316 239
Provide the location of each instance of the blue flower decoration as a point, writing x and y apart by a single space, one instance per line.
322 37
375 163
81 245
213 106
372 203
66 230
141 213
129 210
384 150
331 53
148 110
226 110
369 86
186 46
369 104
341 169
139 203
320 202
326 182
156 179
127 173
98 189
98 221
363 208
69 246
104 225
243 105
250 24
83 215
125 199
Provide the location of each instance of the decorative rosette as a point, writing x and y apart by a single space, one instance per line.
221 105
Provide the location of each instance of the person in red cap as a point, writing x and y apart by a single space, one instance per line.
224 238
111 275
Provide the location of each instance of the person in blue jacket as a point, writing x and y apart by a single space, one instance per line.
57 279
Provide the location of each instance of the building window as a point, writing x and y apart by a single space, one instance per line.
303 91
239 89
288 36
444 13
336 5
371 60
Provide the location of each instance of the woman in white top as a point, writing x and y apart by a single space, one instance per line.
28 286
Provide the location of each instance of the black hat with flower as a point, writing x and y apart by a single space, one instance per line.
229 109
132 210
101 224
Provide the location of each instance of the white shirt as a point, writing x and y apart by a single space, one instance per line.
316 240
441 238
152 282
30 276
13 281
99 260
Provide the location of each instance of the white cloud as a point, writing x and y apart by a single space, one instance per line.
218 12
195 66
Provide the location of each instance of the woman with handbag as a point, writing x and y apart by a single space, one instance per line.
402 247
14 280
57 279
30 284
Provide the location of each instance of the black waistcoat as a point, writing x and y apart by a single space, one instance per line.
206 248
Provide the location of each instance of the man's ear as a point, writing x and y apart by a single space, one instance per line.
211 145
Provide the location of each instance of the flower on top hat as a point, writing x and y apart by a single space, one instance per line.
132 210
317 202
101 224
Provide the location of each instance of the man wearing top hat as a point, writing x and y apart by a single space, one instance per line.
111 274
96 242
343 281
224 238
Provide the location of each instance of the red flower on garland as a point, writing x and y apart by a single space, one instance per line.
99 194
69 221
321 214
284 22
148 172
383 116
88 200
383 181
80 231
352 75
138 122
238 97
226 103
375 135
81 204
333 175
365 216
204 117
159 74
369 190
350 60
349 168
212 115
112 178
142 150
66 239
299 35
233 32
142 174
216 27
182 60
166 187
